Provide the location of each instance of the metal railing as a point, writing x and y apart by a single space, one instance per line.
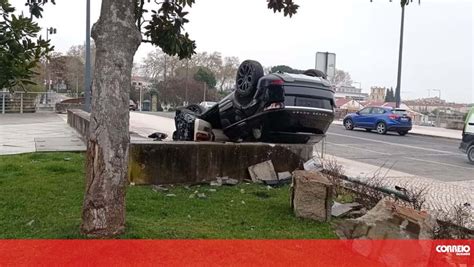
29 102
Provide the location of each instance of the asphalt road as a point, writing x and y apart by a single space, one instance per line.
431 157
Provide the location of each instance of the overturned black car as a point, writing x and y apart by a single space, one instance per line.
276 108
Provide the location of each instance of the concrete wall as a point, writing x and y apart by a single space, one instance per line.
193 162
79 120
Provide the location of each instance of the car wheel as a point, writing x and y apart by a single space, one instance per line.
470 154
248 74
349 124
381 128
402 133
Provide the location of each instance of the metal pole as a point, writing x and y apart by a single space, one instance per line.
87 74
21 103
204 92
3 100
399 77
141 98
186 85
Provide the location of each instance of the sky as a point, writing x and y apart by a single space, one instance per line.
438 45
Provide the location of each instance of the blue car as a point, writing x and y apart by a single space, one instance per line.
381 119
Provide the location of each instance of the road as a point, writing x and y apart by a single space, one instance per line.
432 157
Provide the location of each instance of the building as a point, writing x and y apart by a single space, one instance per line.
377 93
350 92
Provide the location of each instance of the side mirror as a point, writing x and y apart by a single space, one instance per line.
358 113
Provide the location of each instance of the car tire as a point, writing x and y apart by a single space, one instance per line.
248 74
402 133
348 124
381 128
470 154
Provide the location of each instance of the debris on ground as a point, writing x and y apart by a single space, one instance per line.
220 181
263 172
170 195
311 195
30 223
389 220
159 188
212 190
201 195
339 209
313 165
157 136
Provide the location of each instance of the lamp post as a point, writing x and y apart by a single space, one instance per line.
49 31
87 72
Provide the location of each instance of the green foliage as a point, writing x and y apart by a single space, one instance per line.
390 95
204 74
41 196
20 49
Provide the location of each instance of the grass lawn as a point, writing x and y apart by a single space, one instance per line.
41 197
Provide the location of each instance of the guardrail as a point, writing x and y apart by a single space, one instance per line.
28 102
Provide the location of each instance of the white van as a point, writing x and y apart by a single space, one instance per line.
467 144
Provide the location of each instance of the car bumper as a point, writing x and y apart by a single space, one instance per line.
399 128
287 125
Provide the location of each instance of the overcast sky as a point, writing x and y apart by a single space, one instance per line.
438 51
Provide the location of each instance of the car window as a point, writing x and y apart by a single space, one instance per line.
365 111
399 112
377 111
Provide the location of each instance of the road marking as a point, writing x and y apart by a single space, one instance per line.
440 163
372 151
392 144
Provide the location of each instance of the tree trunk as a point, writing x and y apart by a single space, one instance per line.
117 38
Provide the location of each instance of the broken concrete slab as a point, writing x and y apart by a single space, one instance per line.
389 220
263 172
313 165
312 195
340 209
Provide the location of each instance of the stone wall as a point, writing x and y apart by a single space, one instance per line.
194 162
79 120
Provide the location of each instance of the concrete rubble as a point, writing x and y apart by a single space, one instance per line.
389 220
263 172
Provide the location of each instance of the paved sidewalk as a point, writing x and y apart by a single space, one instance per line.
429 131
23 133
440 196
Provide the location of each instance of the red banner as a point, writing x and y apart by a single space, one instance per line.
237 252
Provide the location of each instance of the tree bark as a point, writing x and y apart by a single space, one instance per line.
117 38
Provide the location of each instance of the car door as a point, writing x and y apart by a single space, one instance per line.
375 115
360 120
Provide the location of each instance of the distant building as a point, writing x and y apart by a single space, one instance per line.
350 92
377 93
430 105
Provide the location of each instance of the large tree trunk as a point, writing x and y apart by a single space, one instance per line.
117 38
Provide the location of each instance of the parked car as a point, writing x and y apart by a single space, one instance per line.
277 108
381 119
467 144
132 106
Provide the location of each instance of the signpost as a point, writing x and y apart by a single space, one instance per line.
326 62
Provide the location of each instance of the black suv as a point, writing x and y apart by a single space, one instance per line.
278 108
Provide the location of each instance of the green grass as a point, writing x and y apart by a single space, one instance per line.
41 197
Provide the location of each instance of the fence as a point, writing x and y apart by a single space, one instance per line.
29 102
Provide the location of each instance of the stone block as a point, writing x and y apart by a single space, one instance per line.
312 196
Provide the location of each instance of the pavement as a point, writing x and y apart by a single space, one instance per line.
31 132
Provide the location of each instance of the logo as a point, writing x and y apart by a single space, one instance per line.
459 250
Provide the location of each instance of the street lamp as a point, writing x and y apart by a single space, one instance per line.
49 31
87 72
